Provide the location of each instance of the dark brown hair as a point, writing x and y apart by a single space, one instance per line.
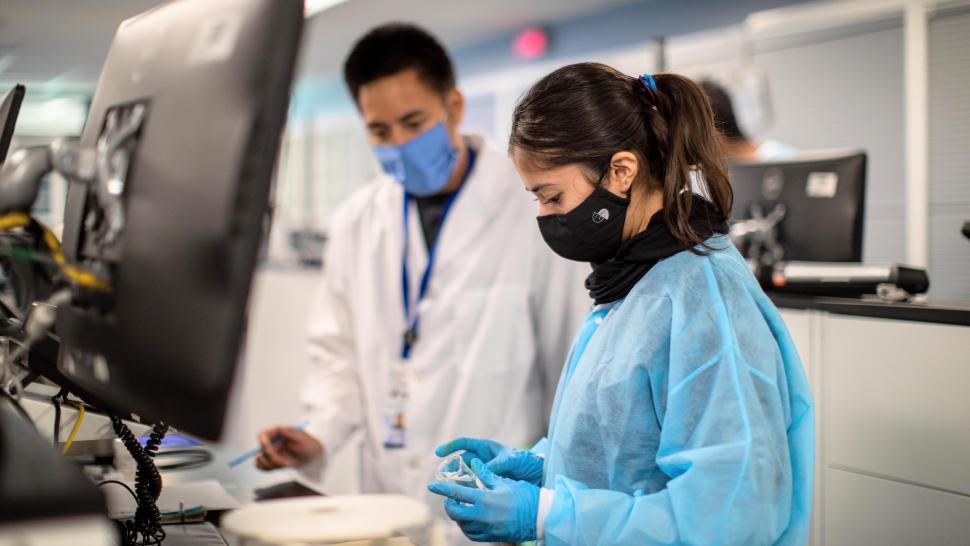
393 48
584 113
724 118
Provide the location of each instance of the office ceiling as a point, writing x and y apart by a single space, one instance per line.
456 22
59 45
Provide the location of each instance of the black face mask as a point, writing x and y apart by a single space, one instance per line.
591 232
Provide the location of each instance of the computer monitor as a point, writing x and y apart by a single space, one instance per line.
186 122
9 109
822 196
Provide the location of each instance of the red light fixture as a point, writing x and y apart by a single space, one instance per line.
531 43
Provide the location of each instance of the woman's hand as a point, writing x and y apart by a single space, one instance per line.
521 465
510 463
504 512
475 448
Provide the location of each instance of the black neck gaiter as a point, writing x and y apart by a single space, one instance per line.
613 279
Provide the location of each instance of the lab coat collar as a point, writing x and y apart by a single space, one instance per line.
488 186
491 184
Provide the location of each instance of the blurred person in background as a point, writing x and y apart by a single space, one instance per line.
737 146
440 309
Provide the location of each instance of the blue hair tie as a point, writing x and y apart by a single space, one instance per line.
648 82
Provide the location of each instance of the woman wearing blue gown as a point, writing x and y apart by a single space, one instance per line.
683 415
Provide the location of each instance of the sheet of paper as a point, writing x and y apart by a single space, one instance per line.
207 493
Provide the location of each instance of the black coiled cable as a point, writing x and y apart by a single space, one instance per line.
146 528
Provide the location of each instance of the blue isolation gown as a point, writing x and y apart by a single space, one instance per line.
683 416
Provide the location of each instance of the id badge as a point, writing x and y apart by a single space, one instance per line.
395 418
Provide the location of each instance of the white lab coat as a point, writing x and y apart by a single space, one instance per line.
496 324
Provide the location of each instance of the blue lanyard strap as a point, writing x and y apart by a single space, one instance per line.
411 314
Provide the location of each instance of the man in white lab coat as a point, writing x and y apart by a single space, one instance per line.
441 312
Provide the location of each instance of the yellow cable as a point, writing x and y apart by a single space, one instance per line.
14 220
84 278
77 426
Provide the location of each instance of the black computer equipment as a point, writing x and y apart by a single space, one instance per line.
23 280
182 137
9 109
818 202
36 483
891 282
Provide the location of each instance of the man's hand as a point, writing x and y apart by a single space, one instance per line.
285 446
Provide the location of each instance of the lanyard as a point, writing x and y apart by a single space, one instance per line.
411 314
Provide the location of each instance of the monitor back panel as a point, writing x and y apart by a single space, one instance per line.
212 78
824 201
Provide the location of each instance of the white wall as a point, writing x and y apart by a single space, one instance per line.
275 362
837 81
831 90
949 55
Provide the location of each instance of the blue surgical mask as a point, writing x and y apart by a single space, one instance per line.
424 164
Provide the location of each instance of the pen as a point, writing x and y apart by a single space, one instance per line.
253 452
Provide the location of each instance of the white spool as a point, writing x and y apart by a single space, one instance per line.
374 519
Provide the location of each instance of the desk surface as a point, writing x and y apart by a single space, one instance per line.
193 534
957 313
240 482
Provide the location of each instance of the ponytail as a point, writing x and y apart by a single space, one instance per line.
679 116
584 113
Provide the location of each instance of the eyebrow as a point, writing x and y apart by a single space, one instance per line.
410 116
538 188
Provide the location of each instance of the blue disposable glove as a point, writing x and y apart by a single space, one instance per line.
475 448
519 465
504 512
504 461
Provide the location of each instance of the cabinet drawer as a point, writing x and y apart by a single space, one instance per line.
864 510
897 400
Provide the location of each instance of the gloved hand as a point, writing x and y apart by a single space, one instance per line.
519 465
504 461
504 512
475 448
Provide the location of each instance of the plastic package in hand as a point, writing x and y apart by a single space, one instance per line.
454 469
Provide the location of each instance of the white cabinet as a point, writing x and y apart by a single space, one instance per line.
892 406
897 400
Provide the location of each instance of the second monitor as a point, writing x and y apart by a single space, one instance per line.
816 203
